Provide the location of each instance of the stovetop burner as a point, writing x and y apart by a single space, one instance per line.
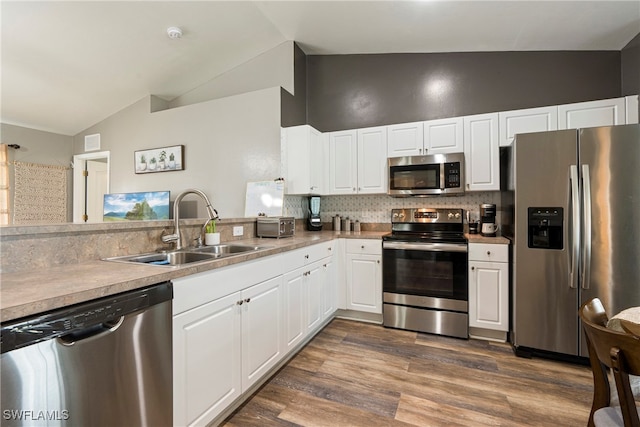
427 225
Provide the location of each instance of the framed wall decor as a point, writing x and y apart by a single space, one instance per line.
163 159
150 205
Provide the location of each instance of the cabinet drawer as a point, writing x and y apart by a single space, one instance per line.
320 250
364 246
298 258
488 252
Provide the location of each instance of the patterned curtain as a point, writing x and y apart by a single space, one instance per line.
40 195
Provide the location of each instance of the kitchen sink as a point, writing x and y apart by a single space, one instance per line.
227 249
187 256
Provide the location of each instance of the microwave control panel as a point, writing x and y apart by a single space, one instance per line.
452 175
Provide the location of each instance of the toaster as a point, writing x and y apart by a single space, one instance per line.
278 226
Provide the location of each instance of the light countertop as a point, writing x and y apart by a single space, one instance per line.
31 292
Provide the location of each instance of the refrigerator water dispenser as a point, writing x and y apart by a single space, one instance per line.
545 227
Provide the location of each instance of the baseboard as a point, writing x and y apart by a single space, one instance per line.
360 316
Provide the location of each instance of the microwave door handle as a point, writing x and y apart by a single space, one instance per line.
586 235
442 183
574 225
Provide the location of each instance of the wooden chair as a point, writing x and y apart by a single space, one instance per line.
609 349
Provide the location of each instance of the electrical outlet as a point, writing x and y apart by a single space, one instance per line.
238 231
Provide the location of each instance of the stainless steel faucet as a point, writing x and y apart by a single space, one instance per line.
176 237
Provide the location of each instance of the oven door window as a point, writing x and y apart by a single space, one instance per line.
415 177
426 273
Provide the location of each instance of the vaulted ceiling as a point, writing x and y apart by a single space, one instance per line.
67 65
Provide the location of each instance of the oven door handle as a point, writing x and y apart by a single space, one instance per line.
427 247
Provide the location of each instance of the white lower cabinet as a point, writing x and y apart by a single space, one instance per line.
308 292
329 284
294 313
233 325
223 346
364 275
261 307
488 291
207 361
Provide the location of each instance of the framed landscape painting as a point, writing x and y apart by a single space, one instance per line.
153 205
163 159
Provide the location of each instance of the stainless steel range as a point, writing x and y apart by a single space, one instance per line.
424 272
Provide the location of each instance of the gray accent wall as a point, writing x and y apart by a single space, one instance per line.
631 67
356 91
294 107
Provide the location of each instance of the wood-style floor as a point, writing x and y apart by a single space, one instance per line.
359 374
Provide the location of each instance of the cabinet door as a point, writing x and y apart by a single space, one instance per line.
343 160
443 136
261 329
302 160
606 112
364 283
329 286
526 121
294 309
316 162
481 152
489 295
207 358
405 139
372 160
313 291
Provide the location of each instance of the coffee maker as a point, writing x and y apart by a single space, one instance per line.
313 221
488 226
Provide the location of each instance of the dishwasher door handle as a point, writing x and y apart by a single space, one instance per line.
92 331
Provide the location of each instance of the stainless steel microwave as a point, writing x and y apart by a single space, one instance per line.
437 175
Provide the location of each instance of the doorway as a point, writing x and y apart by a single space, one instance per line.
90 184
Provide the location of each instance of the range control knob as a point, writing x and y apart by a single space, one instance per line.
450 215
457 215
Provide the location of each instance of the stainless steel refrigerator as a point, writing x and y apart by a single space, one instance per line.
576 228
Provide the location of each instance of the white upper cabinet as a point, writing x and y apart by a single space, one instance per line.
372 160
631 107
606 112
443 136
302 160
358 161
430 137
526 121
343 158
482 152
405 139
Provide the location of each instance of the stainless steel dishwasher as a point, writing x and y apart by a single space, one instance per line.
106 362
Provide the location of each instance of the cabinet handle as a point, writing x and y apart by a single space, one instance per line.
240 302
329 248
324 265
378 261
420 150
306 256
354 189
362 247
473 268
488 252
247 300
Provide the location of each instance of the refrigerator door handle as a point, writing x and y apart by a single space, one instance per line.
586 235
574 226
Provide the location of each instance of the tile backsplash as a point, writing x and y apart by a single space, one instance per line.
376 208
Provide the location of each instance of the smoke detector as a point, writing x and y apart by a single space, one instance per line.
174 32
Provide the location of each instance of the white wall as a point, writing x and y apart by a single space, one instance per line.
272 68
37 146
227 142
